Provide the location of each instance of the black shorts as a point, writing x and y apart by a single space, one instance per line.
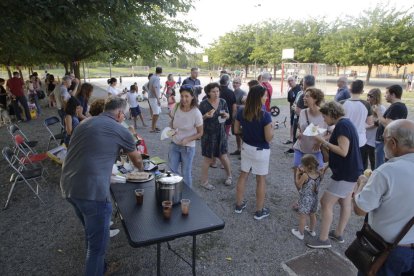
135 111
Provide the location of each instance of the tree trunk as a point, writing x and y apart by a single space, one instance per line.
71 65
246 68
76 69
9 72
65 64
274 70
337 70
369 73
21 74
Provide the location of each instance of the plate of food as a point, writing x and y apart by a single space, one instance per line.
168 133
139 176
312 130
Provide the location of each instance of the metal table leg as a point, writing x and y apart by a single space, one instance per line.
194 255
158 259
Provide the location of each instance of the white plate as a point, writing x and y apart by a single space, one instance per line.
151 177
308 131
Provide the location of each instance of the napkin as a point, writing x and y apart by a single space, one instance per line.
312 130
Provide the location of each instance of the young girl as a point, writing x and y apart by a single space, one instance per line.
134 109
171 101
308 180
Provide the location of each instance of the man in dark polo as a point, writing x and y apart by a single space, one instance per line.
86 174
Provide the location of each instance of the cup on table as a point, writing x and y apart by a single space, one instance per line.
222 113
124 159
185 207
139 196
161 168
167 209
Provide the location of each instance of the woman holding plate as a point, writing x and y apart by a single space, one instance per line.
187 123
308 144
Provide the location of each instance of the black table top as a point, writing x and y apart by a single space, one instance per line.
145 225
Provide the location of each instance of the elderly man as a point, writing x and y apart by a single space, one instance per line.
62 95
86 175
342 93
388 197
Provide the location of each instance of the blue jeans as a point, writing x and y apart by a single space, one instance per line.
379 154
95 216
399 262
23 101
184 155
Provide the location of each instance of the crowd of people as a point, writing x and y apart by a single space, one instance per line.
354 134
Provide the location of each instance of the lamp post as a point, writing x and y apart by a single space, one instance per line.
258 5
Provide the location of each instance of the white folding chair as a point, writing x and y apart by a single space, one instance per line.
55 129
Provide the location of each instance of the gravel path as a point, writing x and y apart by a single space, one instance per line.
48 239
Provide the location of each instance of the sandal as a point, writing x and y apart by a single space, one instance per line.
214 166
154 131
207 186
228 181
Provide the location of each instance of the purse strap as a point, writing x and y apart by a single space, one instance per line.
307 117
402 233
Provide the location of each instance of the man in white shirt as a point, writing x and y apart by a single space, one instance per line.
154 98
388 197
359 112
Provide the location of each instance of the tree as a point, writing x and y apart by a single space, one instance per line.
71 31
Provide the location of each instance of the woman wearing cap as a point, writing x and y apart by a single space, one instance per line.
214 139
187 122
256 128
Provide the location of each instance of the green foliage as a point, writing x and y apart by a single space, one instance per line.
68 31
378 36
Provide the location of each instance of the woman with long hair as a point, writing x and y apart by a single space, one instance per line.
187 123
73 110
214 139
374 99
83 95
256 127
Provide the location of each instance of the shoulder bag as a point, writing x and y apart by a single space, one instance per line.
369 251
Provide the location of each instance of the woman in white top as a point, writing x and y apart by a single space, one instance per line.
374 99
187 122
112 91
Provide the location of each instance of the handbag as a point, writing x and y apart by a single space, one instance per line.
369 251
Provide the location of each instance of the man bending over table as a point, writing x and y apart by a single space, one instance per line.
86 174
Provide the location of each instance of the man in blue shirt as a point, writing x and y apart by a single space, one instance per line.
343 92
192 79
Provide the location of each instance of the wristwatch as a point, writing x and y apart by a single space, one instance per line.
325 144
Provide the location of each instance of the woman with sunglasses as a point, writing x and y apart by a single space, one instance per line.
214 139
187 122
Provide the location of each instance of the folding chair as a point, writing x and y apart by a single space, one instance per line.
21 174
53 125
27 154
14 129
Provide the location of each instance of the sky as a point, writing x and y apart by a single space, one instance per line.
214 18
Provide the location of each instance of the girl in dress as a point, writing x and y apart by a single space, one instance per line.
171 101
308 180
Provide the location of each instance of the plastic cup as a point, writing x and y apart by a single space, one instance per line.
139 196
185 207
167 209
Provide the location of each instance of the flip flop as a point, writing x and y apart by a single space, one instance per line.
213 166
154 131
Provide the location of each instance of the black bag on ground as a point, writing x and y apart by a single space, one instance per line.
369 251
41 94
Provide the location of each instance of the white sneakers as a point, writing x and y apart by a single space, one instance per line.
300 236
